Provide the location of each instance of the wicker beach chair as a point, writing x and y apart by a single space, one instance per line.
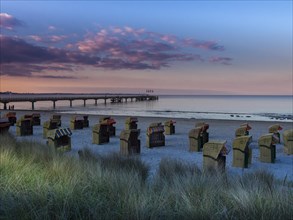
169 127
242 154
214 155
267 147
129 142
155 135
60 139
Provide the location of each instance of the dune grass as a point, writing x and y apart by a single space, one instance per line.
37 183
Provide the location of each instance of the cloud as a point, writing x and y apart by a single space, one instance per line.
9 22
207 45
52 28
48 39
112 48
20 58
222 60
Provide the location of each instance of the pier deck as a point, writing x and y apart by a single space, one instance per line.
54 97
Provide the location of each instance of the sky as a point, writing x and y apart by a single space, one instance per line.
171 47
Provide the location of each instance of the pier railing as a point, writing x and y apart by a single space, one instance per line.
54 97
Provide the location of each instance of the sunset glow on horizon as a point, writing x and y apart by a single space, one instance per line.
222 48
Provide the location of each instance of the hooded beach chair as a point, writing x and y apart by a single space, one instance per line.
57 117
110 124
49 125
169 127
76 122
267 147
100 133
11 117
242 154
129 142
60 139
155 135
195 140
288 141
214 155
24 126
131 123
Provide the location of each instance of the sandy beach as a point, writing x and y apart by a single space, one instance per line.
176 145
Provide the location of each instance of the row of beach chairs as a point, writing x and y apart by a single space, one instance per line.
214 152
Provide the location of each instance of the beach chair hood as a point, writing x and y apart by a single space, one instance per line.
60 132
214 148
242 142
194 132
275 128
268 140
204 126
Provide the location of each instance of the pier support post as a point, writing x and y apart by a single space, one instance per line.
84 102
33 105
54 104
5 106
96 102
70 103
105 101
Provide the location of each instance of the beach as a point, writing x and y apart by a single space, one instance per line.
177 146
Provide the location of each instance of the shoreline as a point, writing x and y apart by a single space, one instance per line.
241 117
177 146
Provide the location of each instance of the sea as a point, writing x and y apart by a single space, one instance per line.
248 108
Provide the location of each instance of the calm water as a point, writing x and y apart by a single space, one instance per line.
213 107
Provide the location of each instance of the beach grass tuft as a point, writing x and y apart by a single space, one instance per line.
38 183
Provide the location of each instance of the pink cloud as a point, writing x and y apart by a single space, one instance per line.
9 22
222 60
48 39
109 48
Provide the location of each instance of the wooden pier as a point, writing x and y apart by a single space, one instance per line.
6 98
